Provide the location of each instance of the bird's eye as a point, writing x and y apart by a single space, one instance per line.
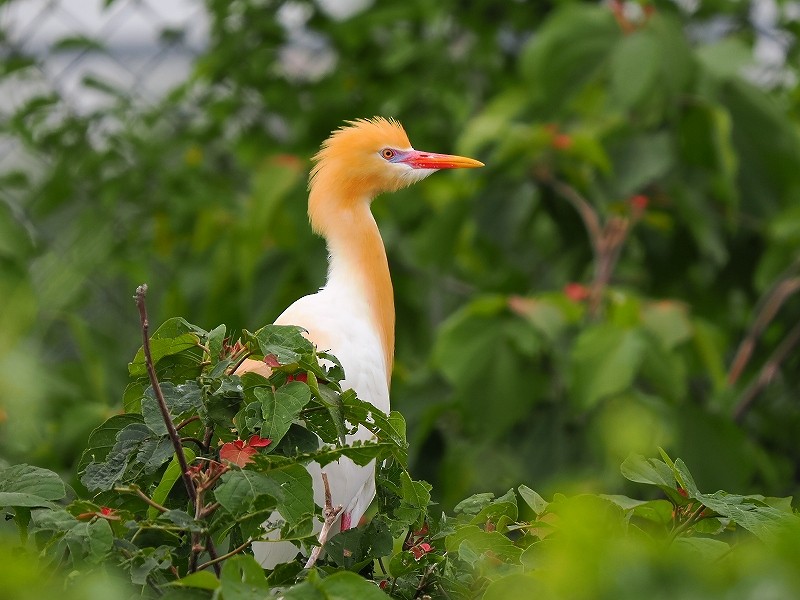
388 153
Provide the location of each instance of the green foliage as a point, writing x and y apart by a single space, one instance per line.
139 521
622 275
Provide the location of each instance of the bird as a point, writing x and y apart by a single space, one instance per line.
352 316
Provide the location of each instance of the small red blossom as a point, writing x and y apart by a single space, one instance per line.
639 203
288 160
106 511
576 292
421 550
562 141
240 452
272 361
383 584
683 492
302 376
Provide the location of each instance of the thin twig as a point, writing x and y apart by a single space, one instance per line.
767 373
196 441
219 559
587 213
215 559
330 515
771 304
210 509
691 520
141 292
143 496
606 240
185 422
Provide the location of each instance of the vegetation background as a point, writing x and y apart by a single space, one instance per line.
622 275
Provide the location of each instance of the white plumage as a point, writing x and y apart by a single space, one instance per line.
353 315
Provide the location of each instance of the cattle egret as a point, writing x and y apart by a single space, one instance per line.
353 315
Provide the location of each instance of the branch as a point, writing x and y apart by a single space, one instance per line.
588 214
143 496
772 303
141 292
219 559
184 423
330 515
767 373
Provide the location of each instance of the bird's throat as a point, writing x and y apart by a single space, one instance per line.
358 263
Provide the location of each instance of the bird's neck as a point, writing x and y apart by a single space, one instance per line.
358 263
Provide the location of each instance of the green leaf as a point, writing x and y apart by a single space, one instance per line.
517 586
706 549
481 542
173 337
286 342
243 579
205 580
635 68
151 452
354 546
532 499
179 399
604 362
343 585
651 471
171 475
103 438
91 541
567 52
287 482
474 504
281 408
25 485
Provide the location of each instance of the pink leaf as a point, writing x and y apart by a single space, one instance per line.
237 453
271 361
258 442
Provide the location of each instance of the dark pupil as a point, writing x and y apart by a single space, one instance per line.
388 153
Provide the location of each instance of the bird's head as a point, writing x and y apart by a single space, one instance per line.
370 156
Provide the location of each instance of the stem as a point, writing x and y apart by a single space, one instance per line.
219 559
330 515
772 303
141 292
588 214
215 559
607 241
693 518
767 373
194 440
184 423
143 496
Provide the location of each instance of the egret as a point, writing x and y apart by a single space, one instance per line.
352 316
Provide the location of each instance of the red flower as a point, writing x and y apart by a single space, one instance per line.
562 141
107 512
302 376
240 452
421 549
639 203
576 292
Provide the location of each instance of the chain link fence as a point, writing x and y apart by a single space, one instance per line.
85 49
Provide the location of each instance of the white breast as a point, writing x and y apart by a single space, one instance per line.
337 321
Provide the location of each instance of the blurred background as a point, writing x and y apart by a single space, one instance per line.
622 275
